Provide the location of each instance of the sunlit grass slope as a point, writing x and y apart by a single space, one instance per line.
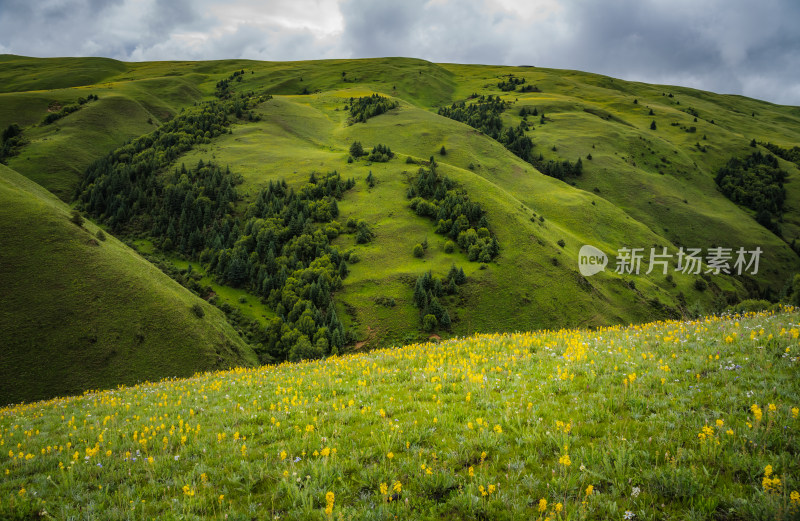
666 420
135 97
82 313
641 188
533 283
660 177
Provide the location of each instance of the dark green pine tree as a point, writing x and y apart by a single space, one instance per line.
445 320
420 298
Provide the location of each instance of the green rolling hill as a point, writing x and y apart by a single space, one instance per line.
639 187
83 313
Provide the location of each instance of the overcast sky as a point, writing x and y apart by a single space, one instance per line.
731 46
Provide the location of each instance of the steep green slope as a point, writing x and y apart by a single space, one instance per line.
640 187
80 313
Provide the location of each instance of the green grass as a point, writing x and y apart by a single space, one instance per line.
522 289
98 125
79 313
248 305
667 420
642 188
20 73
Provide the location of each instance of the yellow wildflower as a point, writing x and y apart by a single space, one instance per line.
329 499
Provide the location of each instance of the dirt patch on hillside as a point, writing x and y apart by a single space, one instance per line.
370 336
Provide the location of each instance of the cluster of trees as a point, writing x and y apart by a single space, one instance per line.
515 140
223 87
379 154
189 211
427 292
511 83
68 109
356 149
437 197
558 169
484 115
690 111
755 182
787 154
114 184
361 109
280 249
361 229
11 141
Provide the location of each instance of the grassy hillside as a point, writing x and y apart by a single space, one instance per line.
667 420
537 279
83 313
640 187
20 73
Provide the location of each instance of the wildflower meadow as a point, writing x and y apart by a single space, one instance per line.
666 420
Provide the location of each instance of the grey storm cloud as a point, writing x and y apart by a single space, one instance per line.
730 46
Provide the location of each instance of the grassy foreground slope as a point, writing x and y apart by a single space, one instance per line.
82 313
666 420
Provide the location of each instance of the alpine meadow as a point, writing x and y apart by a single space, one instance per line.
358 289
